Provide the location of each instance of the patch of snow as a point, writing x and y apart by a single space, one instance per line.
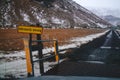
91 20
39 16
57 21
14 68
101 25
44 21
34 9
89 37
25 17
56 6
78 20
36 14
14 54
97 62
65 10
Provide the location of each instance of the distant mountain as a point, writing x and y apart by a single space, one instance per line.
112 19
50 13
110 15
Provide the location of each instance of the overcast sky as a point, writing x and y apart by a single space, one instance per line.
113 4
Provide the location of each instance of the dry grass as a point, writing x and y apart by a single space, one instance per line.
10 39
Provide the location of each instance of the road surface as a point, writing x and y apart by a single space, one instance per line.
105 49
100 58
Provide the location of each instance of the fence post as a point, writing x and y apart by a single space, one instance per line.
40 55
56 50
28 60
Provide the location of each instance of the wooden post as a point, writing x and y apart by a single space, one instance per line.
28 59
31 58
40 55
29 47
56 50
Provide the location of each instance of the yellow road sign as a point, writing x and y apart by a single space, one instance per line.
30 29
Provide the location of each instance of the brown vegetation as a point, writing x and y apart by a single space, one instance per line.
10 39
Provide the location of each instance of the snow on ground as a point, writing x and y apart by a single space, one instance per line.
14 63
76 42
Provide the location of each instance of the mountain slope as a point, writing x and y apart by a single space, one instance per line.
51 13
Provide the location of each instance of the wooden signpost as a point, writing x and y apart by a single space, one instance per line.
28 47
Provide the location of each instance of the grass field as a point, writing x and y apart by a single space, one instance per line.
11 40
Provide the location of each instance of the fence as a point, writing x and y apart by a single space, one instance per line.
13 63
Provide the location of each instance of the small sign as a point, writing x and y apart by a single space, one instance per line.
30 29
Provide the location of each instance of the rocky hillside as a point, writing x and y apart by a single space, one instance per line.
49 13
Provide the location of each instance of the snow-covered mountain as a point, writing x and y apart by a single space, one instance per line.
110 15
50 13
112 19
